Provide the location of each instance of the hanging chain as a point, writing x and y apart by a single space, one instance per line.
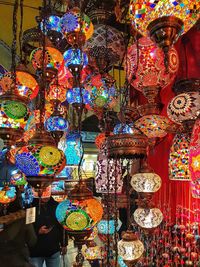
14 42
21 28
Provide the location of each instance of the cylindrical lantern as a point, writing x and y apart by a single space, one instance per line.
194 152
179 158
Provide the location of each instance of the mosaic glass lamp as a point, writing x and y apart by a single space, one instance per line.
153 125
92 252
75 60
149 75
184 107
179 157
148 218
106 47
71 145
56 123
130 248
40 160
27 195
165 21
77 96
18 178
107 227
103 94
7 194
25 86
100 139
81 212
52 23
195 188
194 153
76 26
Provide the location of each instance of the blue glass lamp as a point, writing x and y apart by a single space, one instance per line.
78 96
56 123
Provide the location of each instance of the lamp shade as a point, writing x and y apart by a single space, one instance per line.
78 95
75 57
92 252
183 107
108 174
56 123
179 158
71 145
53 58
194 152
7 194
145 65
153 125
18 178
40 160
79 215
106 46
76 21
148 182
142 13
107 227
51 23
148 218
130 248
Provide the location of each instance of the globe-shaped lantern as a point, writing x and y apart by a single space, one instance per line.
179 158
146 182
130 248
56 123
103 94
25 85
76 26
53 60
18 178
164 20
184 107
71 145
7 194
81 212
145 67
106 47
27 195
153 126
56 91
52 23
40 160
194 153
148 218
75 60
77 96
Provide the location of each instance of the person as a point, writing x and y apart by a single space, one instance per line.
15 238
51 240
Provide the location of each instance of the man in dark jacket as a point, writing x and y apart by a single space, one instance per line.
49 233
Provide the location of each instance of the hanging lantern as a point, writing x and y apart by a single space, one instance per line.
108 227
153 125
71 145
81 212
108 177
195 188
146 182
92 252
77 96
148 218
75 60
146 69
127 145
27 195
179 158
18 178
25 86
103 94
165 21
183 107
106 47
130 248
99 140
52 23
194 152
53 60
56 92
76 26
7 194
56 123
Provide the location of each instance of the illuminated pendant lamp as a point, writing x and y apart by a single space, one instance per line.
146 69
194 154
7 195
78 215
165 21
179 157
76 27
130 248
